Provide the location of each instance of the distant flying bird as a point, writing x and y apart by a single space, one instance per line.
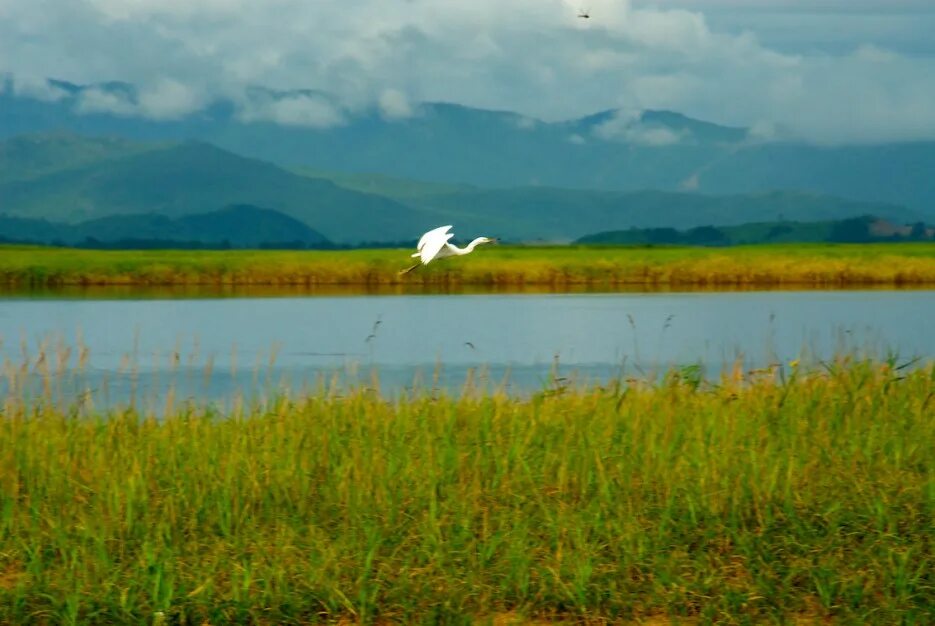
584 15
434 245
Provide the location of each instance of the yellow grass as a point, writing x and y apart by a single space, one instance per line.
817 265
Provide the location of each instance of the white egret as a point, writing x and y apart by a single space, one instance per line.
434 245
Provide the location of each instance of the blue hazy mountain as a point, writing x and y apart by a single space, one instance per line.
237 226
114 186
195 177
611 150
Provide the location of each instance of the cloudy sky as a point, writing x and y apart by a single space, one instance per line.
831 70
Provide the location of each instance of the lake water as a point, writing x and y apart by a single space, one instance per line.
211 347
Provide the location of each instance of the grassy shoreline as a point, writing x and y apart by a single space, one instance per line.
765 497
767 266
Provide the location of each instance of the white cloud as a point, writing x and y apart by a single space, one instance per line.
692 183
169 99
762 130
162 100
394 105
627 126
875 54
649 136
99 100
784 5
38 89
618 124
603 59
296 109
531 56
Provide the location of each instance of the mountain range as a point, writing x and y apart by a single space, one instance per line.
447 143
70 179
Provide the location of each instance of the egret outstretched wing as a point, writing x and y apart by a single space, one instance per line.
435 232
432 242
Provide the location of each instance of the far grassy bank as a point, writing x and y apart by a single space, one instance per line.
816 265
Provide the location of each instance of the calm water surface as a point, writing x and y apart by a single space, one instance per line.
212 347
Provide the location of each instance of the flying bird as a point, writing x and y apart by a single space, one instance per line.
584 15
434 245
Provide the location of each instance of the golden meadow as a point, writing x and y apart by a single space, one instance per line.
816 265
786 494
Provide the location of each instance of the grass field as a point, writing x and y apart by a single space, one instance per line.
818 265
771 496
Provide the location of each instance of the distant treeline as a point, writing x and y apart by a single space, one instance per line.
865 229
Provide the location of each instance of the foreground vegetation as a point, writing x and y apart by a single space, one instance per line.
769 496
820 265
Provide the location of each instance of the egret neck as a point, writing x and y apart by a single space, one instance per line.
468 248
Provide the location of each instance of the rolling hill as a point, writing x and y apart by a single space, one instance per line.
240 226
556 214
195 177
402 189
30 156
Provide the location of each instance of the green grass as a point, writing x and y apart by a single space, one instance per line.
817 265
770 496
